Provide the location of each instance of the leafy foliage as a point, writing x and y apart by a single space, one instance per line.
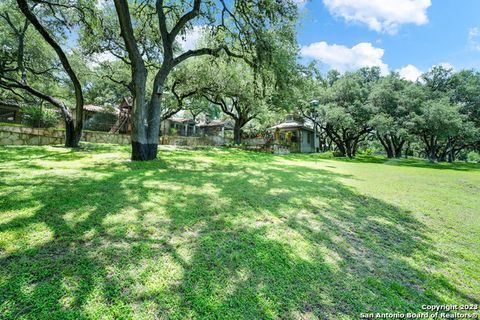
37 117
346 111
436 118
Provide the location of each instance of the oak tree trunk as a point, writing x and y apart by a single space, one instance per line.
147 149
70 138
432 154
386 145
398 149
141 149
237 133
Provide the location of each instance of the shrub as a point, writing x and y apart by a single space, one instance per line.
473 156
276 135
327 155
368 151
173 132
294 146
288 136
36 117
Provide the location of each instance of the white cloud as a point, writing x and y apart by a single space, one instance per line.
104 56
343 58
446 65
300 3
190 39
101 4
473 32
98 58
473 39
410 72
381 15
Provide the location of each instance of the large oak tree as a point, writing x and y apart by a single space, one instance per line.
247 29
53 11
43 23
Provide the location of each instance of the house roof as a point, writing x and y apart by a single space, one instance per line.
93 108
99 109
9 105
181 120
216 123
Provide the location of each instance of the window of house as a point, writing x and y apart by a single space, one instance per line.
309 137
294 136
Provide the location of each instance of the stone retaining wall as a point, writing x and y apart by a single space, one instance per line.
254 141
280 149
17 135
12 135
193 141
105 137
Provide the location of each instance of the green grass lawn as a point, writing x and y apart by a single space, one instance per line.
228 234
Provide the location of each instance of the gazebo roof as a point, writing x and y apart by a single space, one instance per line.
181 120
291 124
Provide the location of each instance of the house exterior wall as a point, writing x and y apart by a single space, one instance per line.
165 126
306 141
183 129
303 140
10 115
211 131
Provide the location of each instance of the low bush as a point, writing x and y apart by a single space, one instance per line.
473 157
36 117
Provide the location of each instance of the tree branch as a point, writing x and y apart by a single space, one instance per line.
222 105
23 5
127 33
162 25
185 19
37 93
6 17
209 51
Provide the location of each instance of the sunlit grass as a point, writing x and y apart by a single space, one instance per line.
228 234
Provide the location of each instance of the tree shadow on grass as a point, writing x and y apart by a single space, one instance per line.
21 153
186 238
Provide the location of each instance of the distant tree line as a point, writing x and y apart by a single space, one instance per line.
436 117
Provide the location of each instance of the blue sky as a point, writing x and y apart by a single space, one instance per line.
409 36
